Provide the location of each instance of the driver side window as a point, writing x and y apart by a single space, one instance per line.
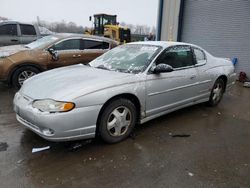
71 44
177 57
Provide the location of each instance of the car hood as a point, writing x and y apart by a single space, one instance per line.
10 50
71 82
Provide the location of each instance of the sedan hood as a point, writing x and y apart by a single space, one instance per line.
10 50
70 82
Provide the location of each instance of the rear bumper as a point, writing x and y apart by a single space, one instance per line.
231 80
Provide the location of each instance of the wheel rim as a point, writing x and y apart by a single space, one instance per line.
24 76
217 92
119 121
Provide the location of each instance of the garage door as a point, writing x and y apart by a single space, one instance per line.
221 27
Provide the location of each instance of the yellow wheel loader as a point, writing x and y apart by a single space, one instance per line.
107 26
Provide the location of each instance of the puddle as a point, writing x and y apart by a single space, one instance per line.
3 146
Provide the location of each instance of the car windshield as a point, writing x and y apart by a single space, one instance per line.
41 42
130 58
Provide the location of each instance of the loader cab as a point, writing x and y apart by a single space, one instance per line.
100 20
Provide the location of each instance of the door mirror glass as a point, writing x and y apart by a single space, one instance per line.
50 50
54 54
161 68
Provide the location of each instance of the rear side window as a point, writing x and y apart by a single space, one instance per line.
8 29
200 56
177 57
27 29
91 44
71 44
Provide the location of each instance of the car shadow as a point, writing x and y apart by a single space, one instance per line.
31 140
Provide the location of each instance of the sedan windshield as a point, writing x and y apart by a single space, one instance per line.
130 58
42 42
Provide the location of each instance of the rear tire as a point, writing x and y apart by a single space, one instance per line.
117 120
22 74
217 92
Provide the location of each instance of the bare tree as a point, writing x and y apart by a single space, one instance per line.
62 26
3 18
139 29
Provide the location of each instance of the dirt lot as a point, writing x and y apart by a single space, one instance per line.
194 147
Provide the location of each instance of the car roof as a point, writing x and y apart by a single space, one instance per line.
73 35
13 22
163 44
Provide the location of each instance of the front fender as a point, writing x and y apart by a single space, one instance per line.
101 96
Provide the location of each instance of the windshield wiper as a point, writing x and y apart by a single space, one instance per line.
102 67
123 70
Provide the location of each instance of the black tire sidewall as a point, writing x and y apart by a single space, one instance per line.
102 127
211 102
18 71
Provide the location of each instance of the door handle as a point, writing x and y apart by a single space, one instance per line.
14 40
75 56
193 77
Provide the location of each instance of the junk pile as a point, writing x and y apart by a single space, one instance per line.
243 78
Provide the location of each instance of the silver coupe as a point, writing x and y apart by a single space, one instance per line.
130 84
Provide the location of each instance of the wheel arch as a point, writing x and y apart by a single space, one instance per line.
133 98
225 79
13 69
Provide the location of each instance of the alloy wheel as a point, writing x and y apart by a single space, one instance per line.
217 92
24 76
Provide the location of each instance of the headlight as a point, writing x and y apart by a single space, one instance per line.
49 105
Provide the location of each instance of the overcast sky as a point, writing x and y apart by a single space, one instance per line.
78 11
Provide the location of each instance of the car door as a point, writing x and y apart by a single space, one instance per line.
69 52
9 35
170 90
28 33
205 80
93 48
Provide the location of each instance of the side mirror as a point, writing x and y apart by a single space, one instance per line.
90 18
54 54
161 68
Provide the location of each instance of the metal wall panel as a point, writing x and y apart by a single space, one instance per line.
220 26
169 24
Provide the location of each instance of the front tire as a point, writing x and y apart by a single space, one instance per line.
217 92
22 74
117 120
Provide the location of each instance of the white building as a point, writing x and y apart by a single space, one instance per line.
222 27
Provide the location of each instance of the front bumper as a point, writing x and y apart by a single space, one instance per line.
80 123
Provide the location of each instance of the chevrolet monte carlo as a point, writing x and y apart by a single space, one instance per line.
130 84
